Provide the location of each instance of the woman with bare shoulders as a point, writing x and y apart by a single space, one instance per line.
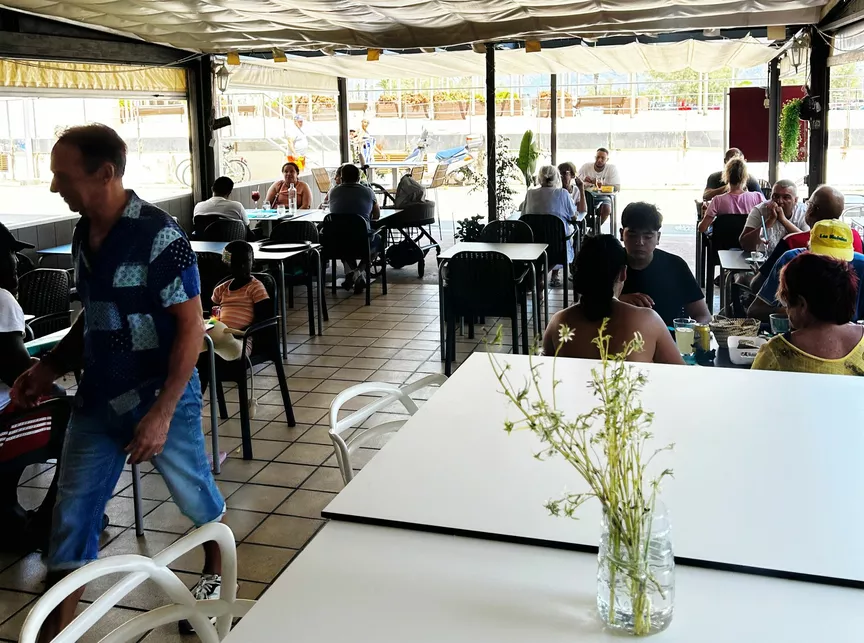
601 269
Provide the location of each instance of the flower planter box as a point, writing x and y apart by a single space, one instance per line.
415 110
324 113
386 110
450 111
546 108
357 106
502 107
479 109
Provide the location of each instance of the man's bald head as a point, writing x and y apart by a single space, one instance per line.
731 153
825 203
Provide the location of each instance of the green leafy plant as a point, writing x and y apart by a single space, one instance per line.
790 130
608 447
469 229
506 171
505 94
528 155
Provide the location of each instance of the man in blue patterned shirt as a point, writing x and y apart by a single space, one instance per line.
138 340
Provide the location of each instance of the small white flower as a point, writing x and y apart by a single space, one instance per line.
564 334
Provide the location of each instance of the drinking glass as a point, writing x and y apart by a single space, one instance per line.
280 210
256 195
685 334
779 323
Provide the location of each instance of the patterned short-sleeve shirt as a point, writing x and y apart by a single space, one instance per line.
144 266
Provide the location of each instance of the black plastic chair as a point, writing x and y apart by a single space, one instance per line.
44 291
225 230
551 230
211 271
47 324
265 348
507 231
481 284
411 224
302 270
724 234
25 264
346 236
203 221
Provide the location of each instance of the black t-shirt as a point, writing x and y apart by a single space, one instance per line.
715 181
668 281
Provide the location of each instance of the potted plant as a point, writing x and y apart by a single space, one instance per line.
506 172
469 229
545 104
415 105
790 131
387 106
503 101
608 447
324 107
450 105
479 105
528 155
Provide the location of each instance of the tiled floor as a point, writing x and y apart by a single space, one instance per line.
274 501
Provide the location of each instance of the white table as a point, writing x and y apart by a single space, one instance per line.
395 166
767 467
732 261
376 585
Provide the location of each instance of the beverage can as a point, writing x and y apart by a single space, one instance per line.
703 337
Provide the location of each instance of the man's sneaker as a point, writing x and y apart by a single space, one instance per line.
348 284
209 586
359 284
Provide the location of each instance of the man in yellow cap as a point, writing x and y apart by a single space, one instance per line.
831 238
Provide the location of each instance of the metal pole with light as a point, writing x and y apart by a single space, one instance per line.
222 78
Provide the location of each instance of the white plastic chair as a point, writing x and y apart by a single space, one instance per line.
139 569
390 393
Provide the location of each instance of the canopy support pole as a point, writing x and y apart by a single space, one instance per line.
492 197
553 117
774 99
202 106
820 77
342 109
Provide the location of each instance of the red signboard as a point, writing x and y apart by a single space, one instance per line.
748 121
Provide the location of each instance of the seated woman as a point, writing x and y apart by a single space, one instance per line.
278 192
737 200
821 296
550 198
601 269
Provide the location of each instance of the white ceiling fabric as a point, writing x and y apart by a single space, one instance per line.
216 26
633 58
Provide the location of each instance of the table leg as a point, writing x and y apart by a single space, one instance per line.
546 286
700 278
535 312
441 307
722 290
283 321
214 420
320 291
395 178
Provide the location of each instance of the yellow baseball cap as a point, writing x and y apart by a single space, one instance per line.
832 238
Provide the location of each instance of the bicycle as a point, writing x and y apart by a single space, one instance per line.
234 168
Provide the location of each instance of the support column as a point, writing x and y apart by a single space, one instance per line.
553 116
342 115
490 133
820 78
774 99
200 97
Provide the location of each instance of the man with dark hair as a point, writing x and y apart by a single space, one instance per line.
657 279
220 204
137 338
352 197
715 186
599 173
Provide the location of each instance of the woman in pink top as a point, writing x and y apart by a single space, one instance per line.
737 200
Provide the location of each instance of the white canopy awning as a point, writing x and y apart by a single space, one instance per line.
216 26
703 56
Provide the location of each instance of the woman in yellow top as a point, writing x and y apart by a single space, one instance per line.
821 296
278 192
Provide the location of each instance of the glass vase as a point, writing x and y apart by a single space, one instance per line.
636 572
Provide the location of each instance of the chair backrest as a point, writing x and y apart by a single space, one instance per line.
44 291
322 179
345 236
725 231
34 435
136 570
225 230
344 445
551 230
212 271
507 231
481 283
25 264
439 177
417 172
295 231
201 222
47 324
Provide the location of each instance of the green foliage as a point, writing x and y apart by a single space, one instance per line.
607 446
506 171
469 229
528 155
790 130
505 94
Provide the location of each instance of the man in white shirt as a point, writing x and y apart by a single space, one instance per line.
300 143
783 215
599 173
220 204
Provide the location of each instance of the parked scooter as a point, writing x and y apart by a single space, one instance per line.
458 158
418 155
